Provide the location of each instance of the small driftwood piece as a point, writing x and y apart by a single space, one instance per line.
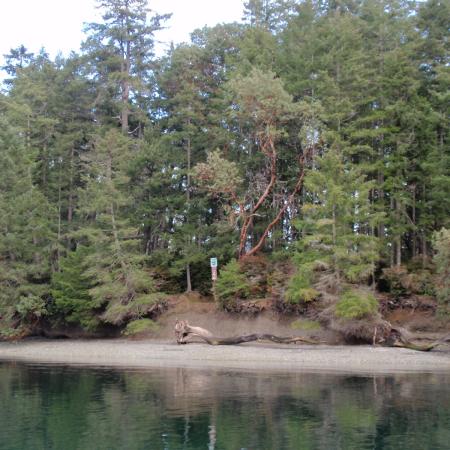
184 331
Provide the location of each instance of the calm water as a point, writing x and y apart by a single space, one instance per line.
55 407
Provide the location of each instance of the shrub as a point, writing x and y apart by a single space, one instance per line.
398 280
356 305
231 283
299 288
402 282
140 326
31 307
256 268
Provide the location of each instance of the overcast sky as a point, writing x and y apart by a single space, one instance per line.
57 24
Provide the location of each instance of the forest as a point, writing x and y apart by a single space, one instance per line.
306 148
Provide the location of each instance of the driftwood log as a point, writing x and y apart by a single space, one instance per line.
401 342
184 332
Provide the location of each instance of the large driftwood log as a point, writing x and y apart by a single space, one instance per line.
184 331
402 342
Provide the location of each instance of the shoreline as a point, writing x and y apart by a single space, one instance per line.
123 353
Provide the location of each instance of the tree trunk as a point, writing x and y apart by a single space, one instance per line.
188 278
256 248
248 218
188 202
125 89
70 205
398 240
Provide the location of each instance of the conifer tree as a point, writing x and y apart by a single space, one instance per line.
120 52
26 235
115 268
70 291
337 220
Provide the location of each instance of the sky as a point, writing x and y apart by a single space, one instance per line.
57 24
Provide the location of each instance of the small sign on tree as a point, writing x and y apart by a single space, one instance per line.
213 263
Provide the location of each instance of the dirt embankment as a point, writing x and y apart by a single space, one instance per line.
203 312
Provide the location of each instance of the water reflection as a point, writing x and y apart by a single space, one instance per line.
44 407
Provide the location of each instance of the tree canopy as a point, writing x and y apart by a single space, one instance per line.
314 130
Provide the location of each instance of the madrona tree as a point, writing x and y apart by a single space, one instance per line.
264 113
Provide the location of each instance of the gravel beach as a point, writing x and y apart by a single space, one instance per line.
151 353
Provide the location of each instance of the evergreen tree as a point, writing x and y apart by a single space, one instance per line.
15 60
338 220
115 268
26 236
120 51
70 291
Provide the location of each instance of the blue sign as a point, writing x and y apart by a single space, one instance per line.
213 262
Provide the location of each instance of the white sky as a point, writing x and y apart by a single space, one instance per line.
57 24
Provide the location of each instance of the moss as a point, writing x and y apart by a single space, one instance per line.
305 325
356 305
141 326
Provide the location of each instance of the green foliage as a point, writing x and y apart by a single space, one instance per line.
218 175
70 291
119 313
398 280
26 233
231 283
113 151
356 305
299 289
31 307
140 326
442 260
402 281
340 205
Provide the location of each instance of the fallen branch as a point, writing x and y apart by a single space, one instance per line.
183 332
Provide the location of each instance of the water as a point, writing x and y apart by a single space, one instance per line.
61 407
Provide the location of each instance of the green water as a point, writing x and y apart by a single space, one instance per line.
59 407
